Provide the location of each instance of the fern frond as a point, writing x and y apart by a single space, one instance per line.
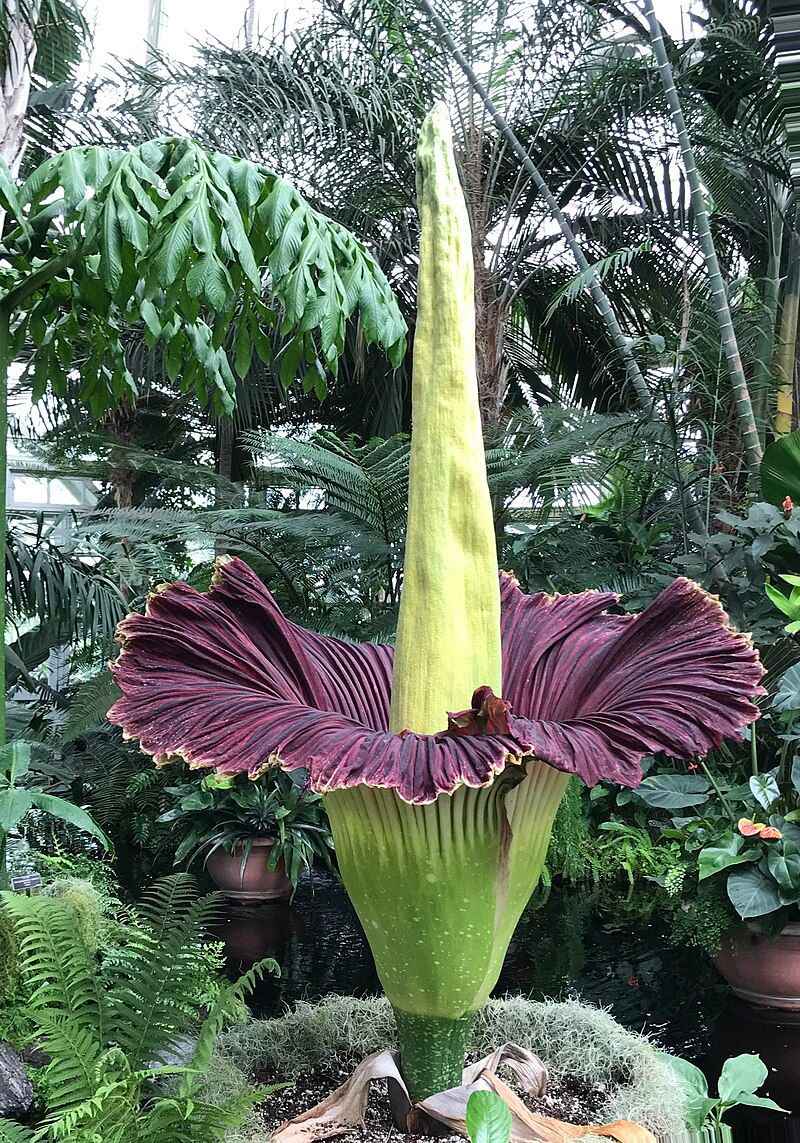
192 1121
109 1113
146 999
618 260
89 705
75 1053
14 1132
227 1002
55 964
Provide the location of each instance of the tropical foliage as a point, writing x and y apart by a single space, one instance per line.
107 1030
229 813
222 356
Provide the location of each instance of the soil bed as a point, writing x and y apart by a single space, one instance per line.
571 1100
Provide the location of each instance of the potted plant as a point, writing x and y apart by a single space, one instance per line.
255 837
727 839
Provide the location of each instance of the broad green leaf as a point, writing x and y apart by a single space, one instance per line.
243 348
14 805
73 179
20 756
70 813
714 859
488 1118
788 694
764 788
752 894
785 868
150 317
745 1073
8 194
796 774
202 234
674 791
111 247
780 469
745 1099
695 1086
131 223
779 600
175 246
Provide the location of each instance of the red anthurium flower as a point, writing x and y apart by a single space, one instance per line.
787 505
770 833
749 828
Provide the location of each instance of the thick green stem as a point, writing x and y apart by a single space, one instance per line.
719 293
432 1050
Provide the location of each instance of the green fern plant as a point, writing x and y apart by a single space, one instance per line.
107 1027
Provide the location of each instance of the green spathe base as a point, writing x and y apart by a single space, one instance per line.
439 888
432 1051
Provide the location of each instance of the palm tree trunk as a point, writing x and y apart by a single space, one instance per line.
15 84
786 351
719 294
633 372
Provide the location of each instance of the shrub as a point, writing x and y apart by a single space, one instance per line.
89 907
104 1027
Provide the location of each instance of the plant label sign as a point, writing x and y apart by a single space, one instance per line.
26 882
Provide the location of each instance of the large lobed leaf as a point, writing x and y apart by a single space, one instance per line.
191 244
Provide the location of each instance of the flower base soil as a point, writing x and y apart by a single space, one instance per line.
572 1100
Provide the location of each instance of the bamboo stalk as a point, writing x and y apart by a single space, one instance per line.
719 293
786 350
763 378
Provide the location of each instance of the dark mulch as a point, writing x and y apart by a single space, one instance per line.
572 1100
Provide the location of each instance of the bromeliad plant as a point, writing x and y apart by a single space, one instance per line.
441 820
228 813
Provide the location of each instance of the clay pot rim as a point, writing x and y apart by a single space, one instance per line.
257 841
790 930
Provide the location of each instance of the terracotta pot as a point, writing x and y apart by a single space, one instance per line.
254 882
254 931
763 971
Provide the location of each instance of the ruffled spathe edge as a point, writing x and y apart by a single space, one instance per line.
224 680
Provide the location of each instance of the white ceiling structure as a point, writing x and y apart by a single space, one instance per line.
123 29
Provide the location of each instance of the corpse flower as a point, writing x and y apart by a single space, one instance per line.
441 820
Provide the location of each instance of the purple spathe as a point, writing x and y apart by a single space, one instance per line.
226 681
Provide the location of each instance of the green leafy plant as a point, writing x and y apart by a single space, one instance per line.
228 813
19 793
107 1029
488 1118
740 1080
789 604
